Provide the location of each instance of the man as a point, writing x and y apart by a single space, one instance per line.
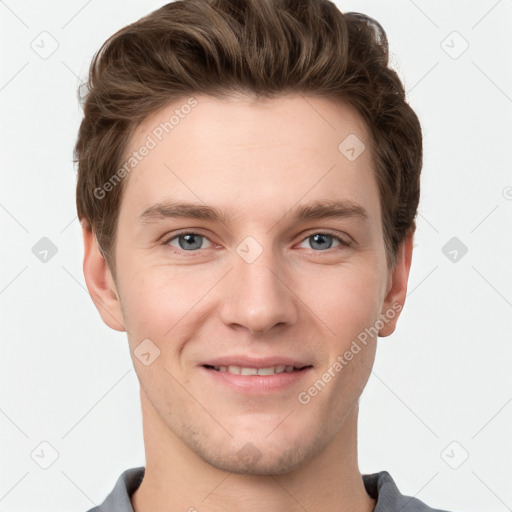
223 144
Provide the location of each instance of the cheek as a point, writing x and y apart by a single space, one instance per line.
349 308
165 305
157 300
347 300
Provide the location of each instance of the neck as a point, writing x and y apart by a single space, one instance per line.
177 479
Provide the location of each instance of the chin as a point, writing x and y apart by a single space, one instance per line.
261 457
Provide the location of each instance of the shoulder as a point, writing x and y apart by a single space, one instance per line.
381 487
119 498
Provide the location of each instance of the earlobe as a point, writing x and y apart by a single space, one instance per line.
100 282
397 289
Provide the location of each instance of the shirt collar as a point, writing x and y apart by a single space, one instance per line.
380 486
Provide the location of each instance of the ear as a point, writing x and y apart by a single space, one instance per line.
397 287
100 282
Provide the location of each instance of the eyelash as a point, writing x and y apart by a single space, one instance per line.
343 243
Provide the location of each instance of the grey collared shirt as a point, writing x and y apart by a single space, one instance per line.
380 486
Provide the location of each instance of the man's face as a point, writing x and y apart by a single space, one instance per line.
257 288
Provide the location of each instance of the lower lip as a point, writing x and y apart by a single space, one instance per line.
258 384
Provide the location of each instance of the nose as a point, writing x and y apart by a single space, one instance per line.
257 295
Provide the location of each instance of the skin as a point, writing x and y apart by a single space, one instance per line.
257 159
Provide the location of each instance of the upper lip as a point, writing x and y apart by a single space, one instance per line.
256 362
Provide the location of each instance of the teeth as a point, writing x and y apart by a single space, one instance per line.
271 370
240 370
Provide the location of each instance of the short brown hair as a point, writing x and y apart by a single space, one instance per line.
263 48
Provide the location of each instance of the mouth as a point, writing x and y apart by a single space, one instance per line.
245 370
256 375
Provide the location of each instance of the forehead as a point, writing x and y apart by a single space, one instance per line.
253 153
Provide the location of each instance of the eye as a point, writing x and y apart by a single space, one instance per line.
323 241
188 241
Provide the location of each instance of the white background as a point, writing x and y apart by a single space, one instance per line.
444 376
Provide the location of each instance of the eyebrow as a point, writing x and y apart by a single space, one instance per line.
315 210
